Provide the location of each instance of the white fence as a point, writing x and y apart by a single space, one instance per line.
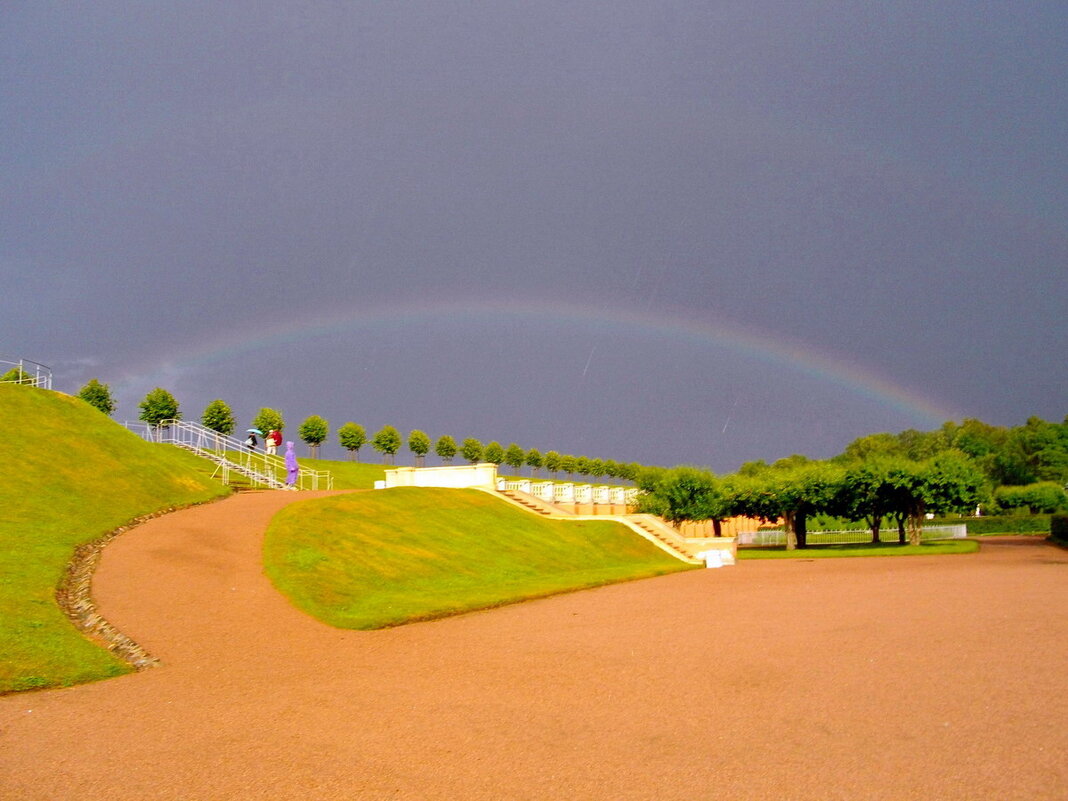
852 536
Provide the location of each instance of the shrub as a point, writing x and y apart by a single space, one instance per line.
1058 528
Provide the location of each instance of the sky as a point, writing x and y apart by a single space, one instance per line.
666 232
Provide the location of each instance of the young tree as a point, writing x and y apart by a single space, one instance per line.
513 457
471 450
218 417
98 396
267 419
533 461
552 462
493 453
567 464
445 448
582 465
159 405
387 442
16 375
419 444
352 437
313 431
597 468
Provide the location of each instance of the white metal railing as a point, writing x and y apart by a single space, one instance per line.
33 374
859 535
232 455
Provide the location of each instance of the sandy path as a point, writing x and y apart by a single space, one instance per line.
918 678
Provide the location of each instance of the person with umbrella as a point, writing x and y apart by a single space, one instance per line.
251 441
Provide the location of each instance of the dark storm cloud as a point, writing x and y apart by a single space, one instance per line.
885 183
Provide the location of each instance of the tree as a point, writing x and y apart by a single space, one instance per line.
352 437
493 453
16 375
597 468
949 482
218 417
159 405
419 444
533 461
684 493
313 431
387 442
567 464
267 419
98 396
582 465
792 489
552 462
471 450
445 448
514 456
867 493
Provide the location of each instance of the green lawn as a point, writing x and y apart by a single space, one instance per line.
383 558
932 548
75 476
348 475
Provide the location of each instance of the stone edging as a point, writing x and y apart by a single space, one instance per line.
74 596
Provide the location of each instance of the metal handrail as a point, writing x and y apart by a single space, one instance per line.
231 454
41 375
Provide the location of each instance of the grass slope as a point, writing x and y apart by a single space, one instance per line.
379 559
348 475
72 476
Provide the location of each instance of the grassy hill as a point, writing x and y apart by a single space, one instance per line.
378 559
71 476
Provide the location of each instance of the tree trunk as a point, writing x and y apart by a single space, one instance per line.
717 527
876 522
916 523
788 527
801 529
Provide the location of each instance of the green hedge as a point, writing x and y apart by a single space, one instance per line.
1058 528
997 524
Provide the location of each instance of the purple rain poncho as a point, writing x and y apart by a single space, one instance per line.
291 465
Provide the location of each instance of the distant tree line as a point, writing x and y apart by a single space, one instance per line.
879 479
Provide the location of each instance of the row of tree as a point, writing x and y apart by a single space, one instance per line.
160 405
794 489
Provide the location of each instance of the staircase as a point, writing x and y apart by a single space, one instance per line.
650 527
230 455
534 504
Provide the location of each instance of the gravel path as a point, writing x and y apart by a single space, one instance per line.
905 678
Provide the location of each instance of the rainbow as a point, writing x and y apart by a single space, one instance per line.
777 352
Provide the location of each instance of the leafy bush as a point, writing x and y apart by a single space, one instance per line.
998 524
1058 528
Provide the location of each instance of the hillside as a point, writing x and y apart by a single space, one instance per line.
375 559
72 475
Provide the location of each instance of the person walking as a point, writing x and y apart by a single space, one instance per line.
292 468
274 439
